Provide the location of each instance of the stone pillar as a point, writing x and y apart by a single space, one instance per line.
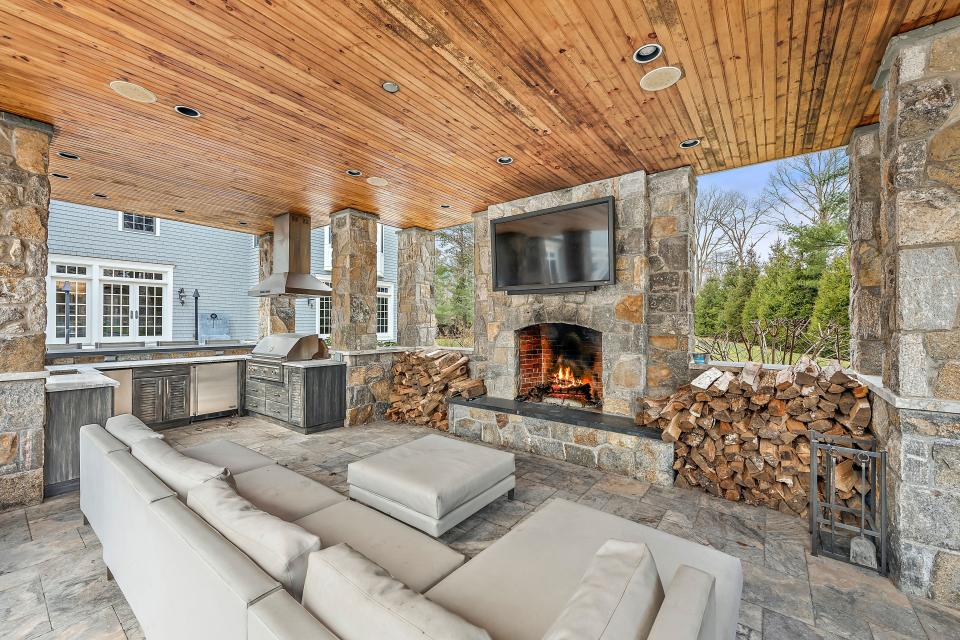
278 314
866 269
670 250
917 414
416 306
24 201
353 235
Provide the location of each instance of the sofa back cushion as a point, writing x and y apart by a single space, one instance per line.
280 548
357 600
684 607
618 597
179 472
129 429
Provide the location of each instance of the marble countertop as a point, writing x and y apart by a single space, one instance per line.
88 376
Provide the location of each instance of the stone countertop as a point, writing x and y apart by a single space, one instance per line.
310 364
88 376
108 350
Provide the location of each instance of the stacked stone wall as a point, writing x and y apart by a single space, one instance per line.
354 279
276 314
416 308
24 201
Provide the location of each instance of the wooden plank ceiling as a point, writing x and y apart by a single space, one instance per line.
290 92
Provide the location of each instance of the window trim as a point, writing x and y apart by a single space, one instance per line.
379 249
156 223
95 281
391 311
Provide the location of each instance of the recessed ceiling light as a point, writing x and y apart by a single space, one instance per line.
60 175
243 224
505 160
356 173
190 112
690 143
133 92
99 195
390 86
660 79
377 182
445 206
179 210
647 53
68 155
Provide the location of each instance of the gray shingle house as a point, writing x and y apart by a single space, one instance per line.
132 278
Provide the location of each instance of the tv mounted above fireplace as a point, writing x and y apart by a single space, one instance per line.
568 248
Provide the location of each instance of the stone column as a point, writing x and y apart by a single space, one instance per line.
670 250
920 146
866 269
278 314
24 201
353 235
416 306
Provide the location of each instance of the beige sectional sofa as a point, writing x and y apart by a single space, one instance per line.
183 579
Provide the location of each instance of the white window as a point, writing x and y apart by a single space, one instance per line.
137 222
110 301
327 249
385 313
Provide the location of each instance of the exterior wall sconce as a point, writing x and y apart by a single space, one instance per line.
182 296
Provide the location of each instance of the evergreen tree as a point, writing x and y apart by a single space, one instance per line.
833 295
708 307
737 296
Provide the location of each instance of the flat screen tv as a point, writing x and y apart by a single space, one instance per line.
563 248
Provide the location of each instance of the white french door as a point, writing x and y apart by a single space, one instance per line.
132 311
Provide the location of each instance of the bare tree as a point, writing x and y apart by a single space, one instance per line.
713 205
741 226
810 189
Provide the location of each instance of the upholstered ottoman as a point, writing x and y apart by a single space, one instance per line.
433 483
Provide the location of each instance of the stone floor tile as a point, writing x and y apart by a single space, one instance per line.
88 536
740 509
364 449
778 592
76 586
846 599
101 625
23 613
35 552
673 499
504 512
780 526
533 493
786 557
55 522
680 524
636 510
937 620
627 487
751 616
742 531
780 627
478 538
13 528
64 502
595 498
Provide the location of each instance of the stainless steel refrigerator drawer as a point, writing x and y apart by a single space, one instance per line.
215 388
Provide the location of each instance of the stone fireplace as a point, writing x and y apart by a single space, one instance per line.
560 363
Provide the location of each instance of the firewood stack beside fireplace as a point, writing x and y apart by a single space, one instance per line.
744 436
422 383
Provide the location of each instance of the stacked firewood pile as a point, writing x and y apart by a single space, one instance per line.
422 383
744 436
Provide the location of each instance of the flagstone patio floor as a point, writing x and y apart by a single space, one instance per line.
53 583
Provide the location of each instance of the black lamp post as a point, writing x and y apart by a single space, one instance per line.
66 312
196 315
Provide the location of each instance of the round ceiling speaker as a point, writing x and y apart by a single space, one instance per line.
660 79
377 182
133 92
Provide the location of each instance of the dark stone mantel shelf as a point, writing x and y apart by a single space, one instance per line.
557 413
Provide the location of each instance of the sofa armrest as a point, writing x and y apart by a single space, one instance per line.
279 617
684 607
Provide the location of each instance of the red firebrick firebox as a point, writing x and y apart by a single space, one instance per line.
560 363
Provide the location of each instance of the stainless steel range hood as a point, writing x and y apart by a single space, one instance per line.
291 261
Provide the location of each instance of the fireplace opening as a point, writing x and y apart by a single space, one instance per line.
560 364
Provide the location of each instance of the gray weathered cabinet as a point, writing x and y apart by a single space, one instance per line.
305 398
161 395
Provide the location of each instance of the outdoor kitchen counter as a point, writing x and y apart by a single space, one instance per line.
88 376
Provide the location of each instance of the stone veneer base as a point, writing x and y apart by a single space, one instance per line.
635 455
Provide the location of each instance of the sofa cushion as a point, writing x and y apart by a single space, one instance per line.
517 586
280 548
358 600
178 471
433 475
279 617
129 429
683 608
414 559
223 453
284 493
618 596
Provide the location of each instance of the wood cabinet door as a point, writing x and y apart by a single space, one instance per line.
176 398
148 399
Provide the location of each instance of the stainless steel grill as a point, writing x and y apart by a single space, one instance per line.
278 348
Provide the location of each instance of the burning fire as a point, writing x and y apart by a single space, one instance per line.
566 378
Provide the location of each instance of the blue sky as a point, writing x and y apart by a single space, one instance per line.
750 181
